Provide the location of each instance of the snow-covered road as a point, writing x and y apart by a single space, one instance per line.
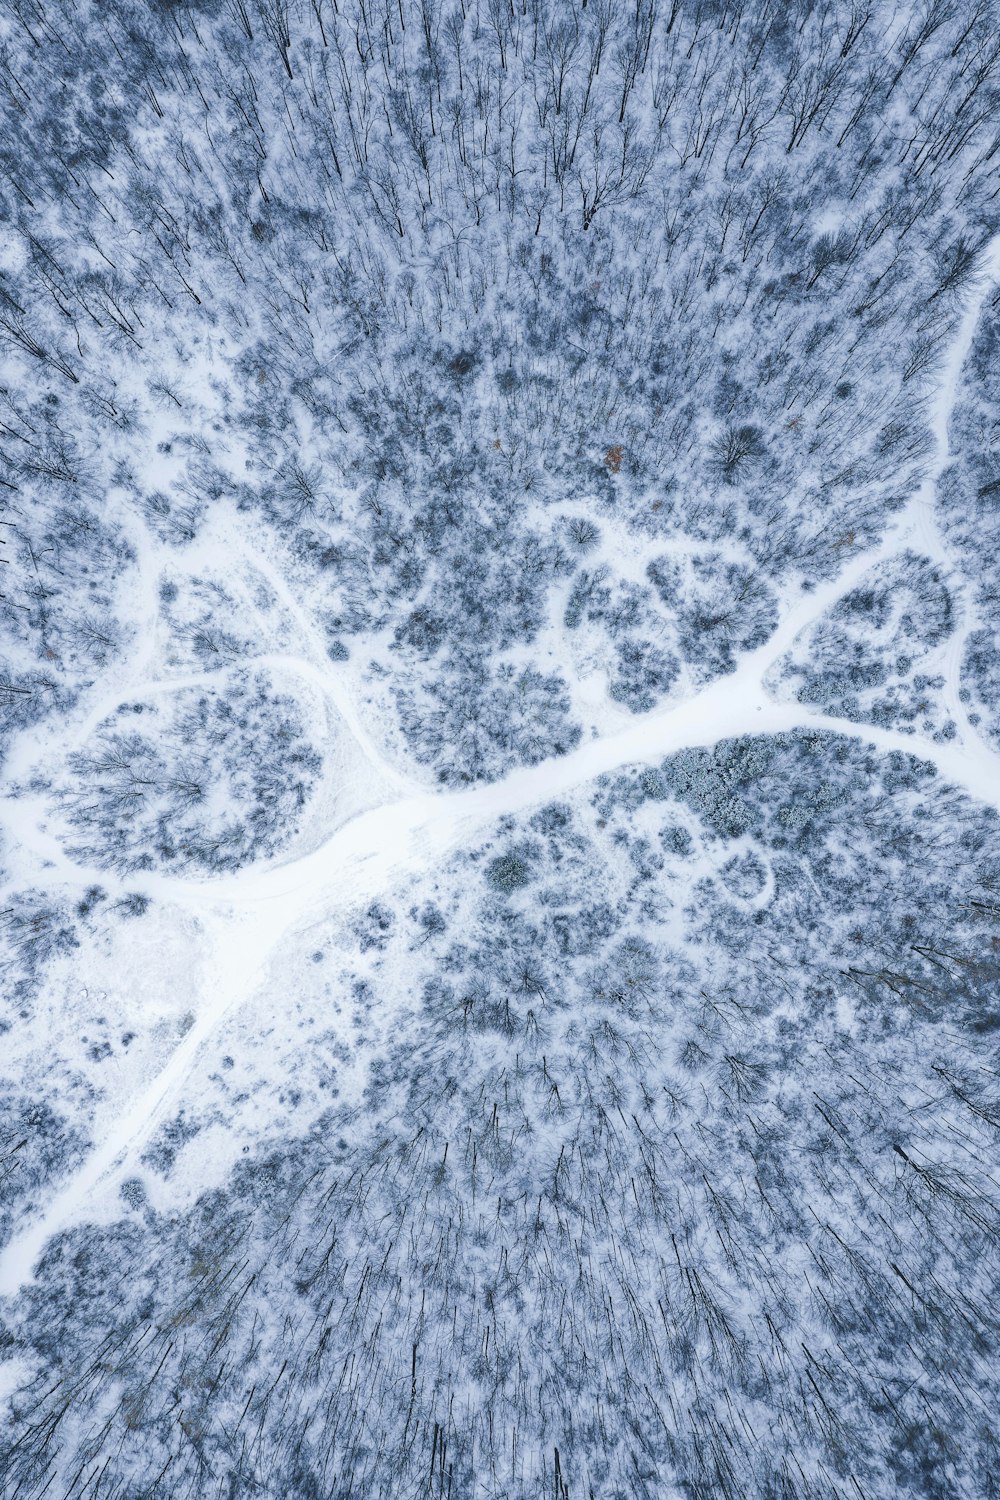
246 916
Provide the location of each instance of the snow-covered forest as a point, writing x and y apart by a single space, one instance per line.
500 683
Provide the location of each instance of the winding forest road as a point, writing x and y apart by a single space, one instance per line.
247 916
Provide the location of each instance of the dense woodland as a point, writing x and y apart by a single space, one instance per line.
506 373
443 296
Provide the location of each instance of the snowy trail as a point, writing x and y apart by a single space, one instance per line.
236 970
400 839
927 533
320 672
249 915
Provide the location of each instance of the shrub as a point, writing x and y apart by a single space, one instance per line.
508 872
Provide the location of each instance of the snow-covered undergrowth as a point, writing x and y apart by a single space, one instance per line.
499 937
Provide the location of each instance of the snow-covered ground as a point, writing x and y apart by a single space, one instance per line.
500 712
362 841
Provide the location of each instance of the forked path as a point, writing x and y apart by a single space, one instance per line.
248 915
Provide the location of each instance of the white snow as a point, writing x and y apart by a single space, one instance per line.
244 918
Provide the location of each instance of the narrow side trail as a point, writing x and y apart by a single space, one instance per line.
249 915
928 535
